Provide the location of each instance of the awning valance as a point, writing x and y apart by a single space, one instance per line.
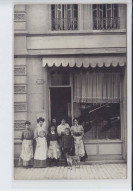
92 61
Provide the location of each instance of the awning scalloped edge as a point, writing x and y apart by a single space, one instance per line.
84 62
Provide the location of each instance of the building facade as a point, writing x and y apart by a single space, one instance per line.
70 61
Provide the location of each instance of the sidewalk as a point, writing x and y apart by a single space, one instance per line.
103 171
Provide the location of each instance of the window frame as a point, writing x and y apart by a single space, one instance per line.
106 29
64 31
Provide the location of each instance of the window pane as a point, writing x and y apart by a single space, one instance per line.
66 17
109 6
75 10
94 6
105 16
100 121
59 78
115 10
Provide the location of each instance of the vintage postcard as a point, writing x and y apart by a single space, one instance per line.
70 91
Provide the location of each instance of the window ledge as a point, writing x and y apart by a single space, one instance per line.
111 30
106 141
87 31
75 32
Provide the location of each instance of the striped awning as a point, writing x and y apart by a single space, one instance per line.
85 62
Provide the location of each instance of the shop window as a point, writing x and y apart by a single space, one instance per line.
97 104
93 87
105 17
59 77
64 17
100 121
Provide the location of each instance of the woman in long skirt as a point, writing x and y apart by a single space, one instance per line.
53 147
77 132
26 157
40 155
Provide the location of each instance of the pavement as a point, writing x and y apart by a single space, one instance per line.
97 171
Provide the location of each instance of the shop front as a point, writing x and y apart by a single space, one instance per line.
92 89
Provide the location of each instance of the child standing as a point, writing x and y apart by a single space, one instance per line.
53 146
67 144
27 136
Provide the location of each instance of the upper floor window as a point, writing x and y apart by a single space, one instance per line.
105 16
64 17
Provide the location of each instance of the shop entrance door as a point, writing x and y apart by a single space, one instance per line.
60 100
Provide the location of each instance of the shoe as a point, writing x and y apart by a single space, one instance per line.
65 165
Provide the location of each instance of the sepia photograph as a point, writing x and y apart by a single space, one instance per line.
70 91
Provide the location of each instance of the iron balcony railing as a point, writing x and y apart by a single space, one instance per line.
64 24
106 23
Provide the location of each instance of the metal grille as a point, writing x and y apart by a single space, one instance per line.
19 89
19 17
20 70
19 125
64 24
106 23
18 107
64 17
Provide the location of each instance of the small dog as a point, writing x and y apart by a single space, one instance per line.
73 160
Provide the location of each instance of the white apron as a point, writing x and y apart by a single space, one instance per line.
27 150
41 149
54 151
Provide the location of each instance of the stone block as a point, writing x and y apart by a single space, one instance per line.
19 25
35 102
33 86
20 79
20 43
20 97
20 116
19 61
34 66
19 7
88 41
38 18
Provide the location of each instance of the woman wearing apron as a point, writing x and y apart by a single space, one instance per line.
40 155
26 157
77 132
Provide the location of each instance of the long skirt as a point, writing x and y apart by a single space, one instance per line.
26 157
53 150
40 153
79 147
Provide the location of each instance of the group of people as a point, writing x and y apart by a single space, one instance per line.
41 148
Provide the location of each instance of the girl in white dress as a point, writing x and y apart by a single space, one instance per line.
40 155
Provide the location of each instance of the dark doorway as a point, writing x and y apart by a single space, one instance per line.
61 103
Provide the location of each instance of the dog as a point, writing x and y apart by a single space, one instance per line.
73 160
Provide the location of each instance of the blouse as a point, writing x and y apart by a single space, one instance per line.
77 130
39 132
27 134
61 128
52 137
